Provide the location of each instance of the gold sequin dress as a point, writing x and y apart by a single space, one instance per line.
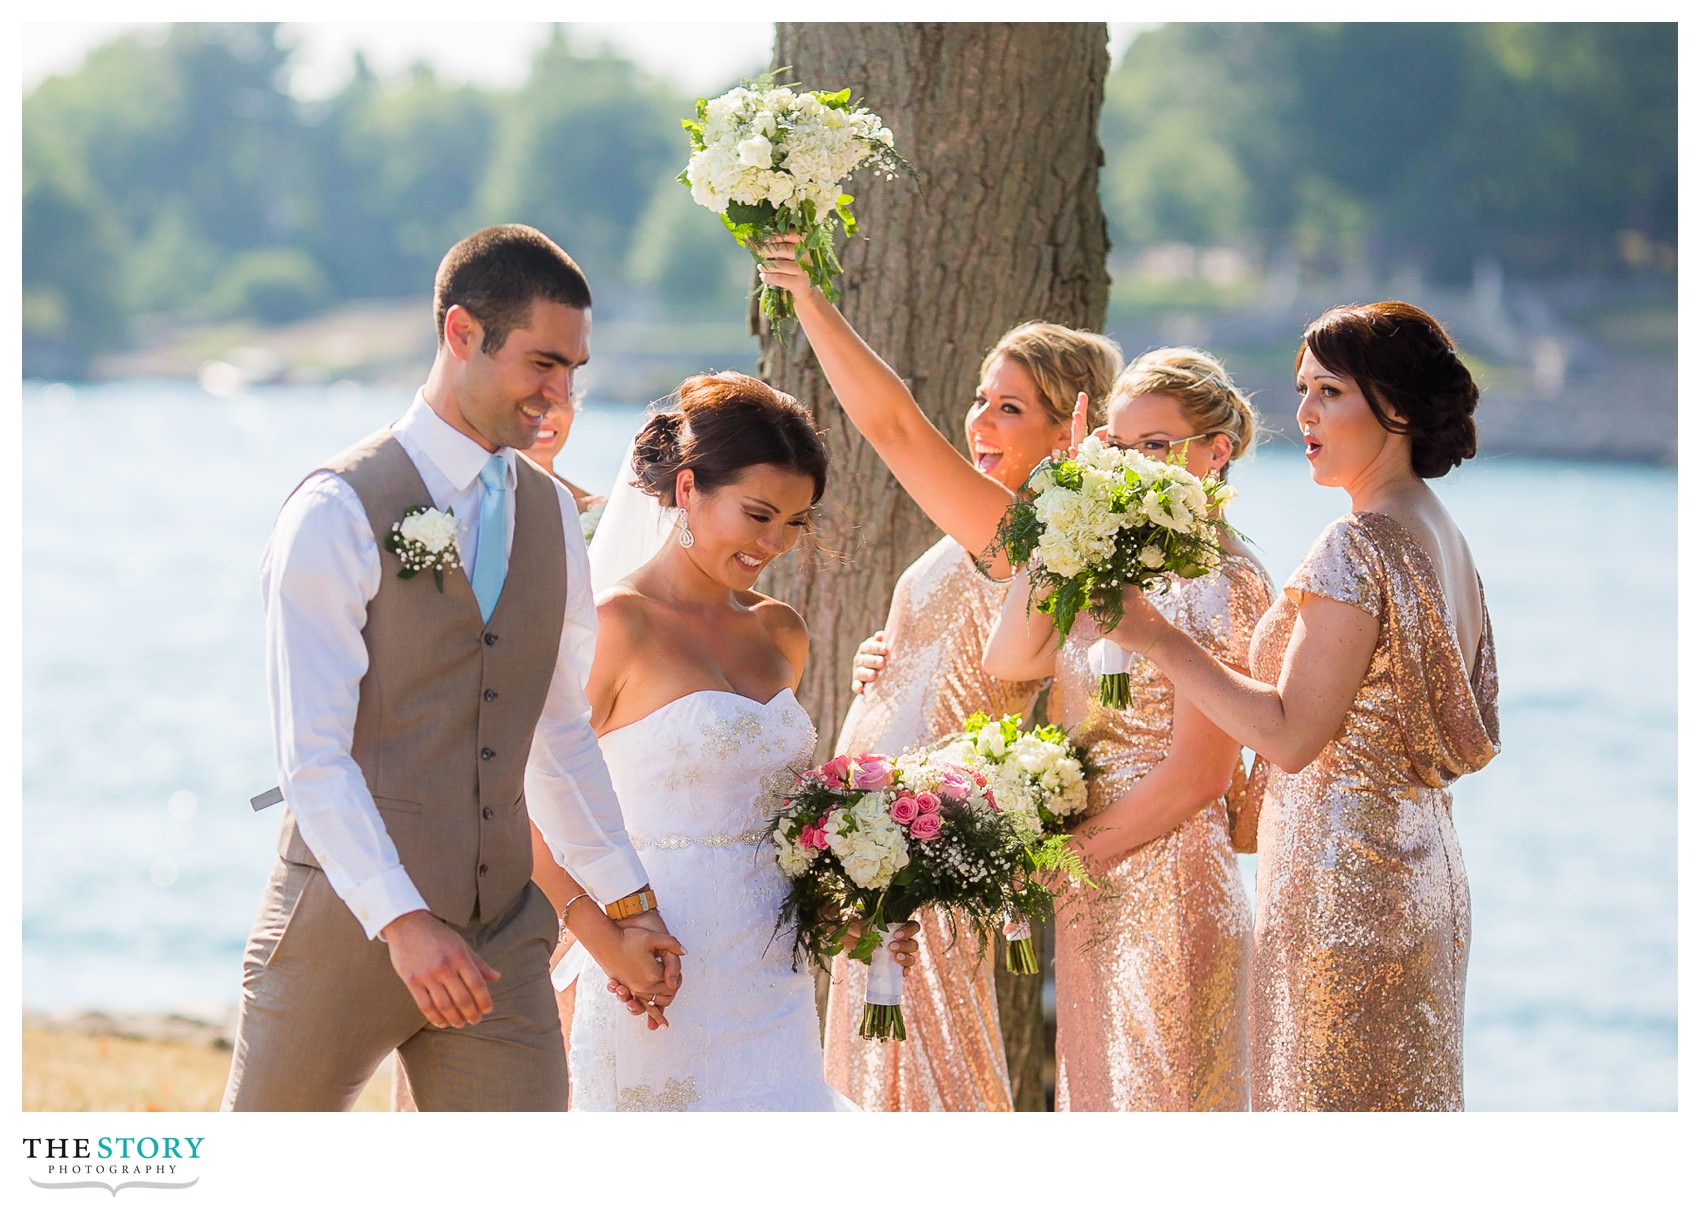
1151 966
942 610
1363 909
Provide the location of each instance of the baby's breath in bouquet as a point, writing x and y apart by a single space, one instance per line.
771 160
1100 519
1037 777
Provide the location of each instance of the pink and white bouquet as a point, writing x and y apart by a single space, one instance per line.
771 160
1102 518
1037 777
868 839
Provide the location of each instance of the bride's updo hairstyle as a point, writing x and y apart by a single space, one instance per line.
720 425
1410 374
1210 400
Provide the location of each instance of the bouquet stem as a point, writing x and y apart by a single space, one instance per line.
1019 954
882 1009
883 1023
1113 691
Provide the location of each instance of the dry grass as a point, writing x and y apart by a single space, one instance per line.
76 1072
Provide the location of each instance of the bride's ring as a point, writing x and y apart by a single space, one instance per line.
650 1001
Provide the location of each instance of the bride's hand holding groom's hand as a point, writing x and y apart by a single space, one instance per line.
448 980
641 960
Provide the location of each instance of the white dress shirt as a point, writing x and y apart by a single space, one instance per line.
320 569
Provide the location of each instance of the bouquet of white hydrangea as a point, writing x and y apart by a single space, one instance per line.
1102 518
770 160
1037 778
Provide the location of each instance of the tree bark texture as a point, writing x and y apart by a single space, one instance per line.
1001 122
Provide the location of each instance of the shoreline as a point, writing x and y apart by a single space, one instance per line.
139 1061
159 1027
1542 385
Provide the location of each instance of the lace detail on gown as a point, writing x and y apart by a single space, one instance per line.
698 780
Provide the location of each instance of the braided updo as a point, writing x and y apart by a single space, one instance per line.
720 425
1410 374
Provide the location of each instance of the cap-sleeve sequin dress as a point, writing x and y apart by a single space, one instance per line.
1363 909
1151 966
942 610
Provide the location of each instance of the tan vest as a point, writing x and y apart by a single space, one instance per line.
448 704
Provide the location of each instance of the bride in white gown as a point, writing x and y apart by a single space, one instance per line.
692 697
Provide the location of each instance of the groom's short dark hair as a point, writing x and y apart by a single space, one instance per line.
496 274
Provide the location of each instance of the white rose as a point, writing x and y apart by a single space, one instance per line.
778 187
432 529
870 810
756 151
1151 556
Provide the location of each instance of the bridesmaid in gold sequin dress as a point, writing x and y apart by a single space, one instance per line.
1373 687
941 611
1151 965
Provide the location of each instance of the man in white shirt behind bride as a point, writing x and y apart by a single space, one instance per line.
423 703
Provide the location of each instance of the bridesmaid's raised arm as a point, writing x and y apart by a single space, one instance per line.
963 502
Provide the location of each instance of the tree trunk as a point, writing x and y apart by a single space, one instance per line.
1001 121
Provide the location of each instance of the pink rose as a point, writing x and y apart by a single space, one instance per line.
870 772
813 838
926 802
926 826
834 774
956 785
905 810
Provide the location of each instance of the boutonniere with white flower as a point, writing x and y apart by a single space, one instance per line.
424 541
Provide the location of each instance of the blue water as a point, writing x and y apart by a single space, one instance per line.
145 727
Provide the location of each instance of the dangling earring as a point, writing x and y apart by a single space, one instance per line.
686 539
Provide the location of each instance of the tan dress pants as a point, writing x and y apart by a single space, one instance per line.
322 1007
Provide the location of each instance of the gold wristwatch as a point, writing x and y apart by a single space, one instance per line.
632 903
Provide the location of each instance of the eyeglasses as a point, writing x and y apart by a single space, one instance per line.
1160 448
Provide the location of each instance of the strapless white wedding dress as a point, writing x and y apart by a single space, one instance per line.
698 781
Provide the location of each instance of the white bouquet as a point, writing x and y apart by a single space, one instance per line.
770 160
1100 519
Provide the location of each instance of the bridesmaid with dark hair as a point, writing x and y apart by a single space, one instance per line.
1372 688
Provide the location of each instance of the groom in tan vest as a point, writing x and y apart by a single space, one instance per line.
421 714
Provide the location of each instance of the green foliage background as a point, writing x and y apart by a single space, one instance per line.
180 178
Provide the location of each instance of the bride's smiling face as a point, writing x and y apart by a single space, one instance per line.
743 525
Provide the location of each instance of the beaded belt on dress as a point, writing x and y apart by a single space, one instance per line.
678 842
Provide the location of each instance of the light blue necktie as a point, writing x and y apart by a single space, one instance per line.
490 568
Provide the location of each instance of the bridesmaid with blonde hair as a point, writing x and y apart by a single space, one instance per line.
1151 964
942 609
1373 686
